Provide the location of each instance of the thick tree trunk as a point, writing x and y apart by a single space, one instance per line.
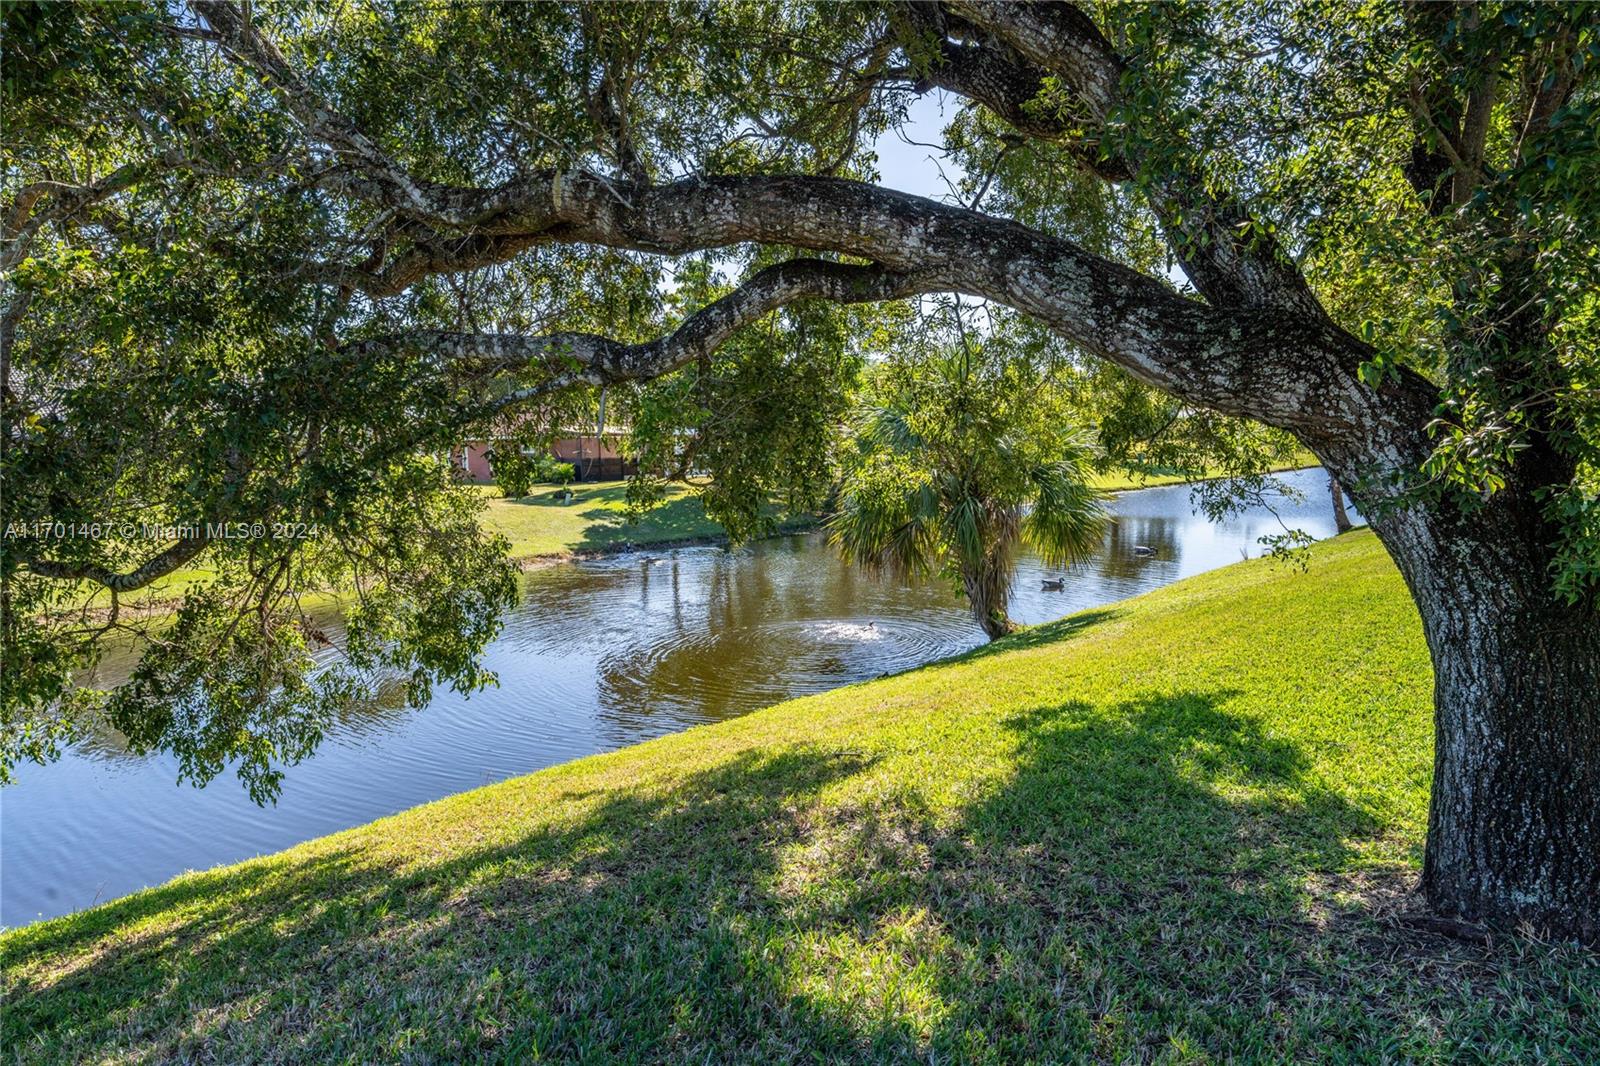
1514 821
1516 801
1514 826
1341 519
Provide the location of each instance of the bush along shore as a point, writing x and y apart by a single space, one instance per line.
1186 828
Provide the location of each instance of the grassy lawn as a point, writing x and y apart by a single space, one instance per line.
1119 480
1183 829
594 520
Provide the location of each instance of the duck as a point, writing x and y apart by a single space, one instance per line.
1143 550
1053 584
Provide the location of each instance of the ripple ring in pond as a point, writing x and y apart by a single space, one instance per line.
779 660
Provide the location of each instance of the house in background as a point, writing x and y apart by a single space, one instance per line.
594 457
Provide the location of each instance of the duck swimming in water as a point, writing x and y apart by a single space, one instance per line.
1143 549
1056 585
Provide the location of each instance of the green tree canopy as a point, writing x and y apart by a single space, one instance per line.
964 456
261 261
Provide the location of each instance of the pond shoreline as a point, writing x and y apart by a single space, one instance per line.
540 560
156 607
1102 784
632 639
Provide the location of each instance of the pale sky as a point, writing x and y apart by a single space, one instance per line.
916 167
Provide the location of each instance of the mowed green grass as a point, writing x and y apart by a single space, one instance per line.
595 519
1122 480
1183 829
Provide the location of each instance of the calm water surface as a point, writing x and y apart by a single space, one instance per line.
599 655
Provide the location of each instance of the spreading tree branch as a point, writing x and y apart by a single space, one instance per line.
1239 352
586 358
1231 259
164 562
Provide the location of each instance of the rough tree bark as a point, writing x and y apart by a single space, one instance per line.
987 584
1514 827
1514 820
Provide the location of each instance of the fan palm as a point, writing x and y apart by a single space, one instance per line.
960 466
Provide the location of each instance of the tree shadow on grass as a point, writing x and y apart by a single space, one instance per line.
1166 879
582 494
1109 873
1048 632
678 519
1134 886
200 895
617 935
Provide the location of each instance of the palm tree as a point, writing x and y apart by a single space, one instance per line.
959 465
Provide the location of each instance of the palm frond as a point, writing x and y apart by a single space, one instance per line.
889 429
1067 522
889 518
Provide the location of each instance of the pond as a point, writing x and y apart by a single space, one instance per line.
599 654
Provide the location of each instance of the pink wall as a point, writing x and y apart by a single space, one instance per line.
472 458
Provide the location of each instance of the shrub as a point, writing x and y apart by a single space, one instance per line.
514 472
554 470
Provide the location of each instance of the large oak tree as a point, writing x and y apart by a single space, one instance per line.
259 258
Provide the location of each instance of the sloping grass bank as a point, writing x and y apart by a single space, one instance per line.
1122 480
1183 829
